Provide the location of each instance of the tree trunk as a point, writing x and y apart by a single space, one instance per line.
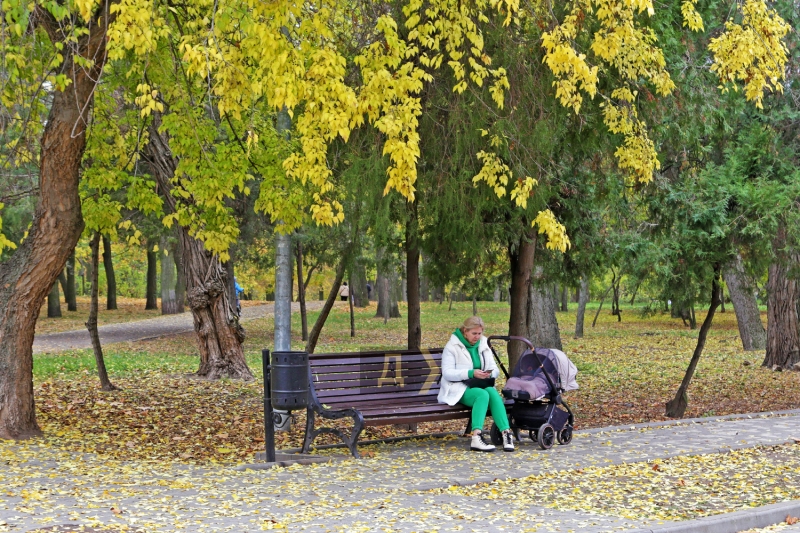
220 336
677 406
151 295
602 300
169 300
352 311
91 323
521 256
541 320
27 277
358 283
783 298
111 279
301 290
748 317
62 282
313 337
474 305
564 299
180 283
54 302
388 299
69 292
412 275
583 299
385 296
230 280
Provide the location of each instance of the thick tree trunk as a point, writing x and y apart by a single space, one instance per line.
564 299
69 292
748 317
151 296
521 256
412 275
54 302
91 323
219 334
111 278
541 320
230 280
783 299
301 290
387 300
583 299
27 277
677 406
169 300
358 283
313 337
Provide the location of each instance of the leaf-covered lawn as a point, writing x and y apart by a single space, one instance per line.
628 371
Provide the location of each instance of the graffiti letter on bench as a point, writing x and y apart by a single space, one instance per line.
392 373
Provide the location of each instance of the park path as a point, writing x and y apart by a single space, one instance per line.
387 492
138 330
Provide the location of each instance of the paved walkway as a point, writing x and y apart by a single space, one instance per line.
387 492
150 328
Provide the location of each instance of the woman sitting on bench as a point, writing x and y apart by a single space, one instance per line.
468 374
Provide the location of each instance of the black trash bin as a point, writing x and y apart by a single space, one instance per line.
289 380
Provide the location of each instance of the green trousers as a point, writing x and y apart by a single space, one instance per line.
483 400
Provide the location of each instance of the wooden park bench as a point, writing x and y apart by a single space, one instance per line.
375 389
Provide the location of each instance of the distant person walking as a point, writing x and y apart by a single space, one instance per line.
344 291
369 291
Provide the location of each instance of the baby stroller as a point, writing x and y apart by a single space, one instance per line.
535 386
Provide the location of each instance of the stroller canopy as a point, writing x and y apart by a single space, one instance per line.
554 363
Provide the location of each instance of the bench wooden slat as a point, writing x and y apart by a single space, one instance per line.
357 359
409 366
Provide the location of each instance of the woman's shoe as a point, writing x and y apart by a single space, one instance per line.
508 441
480 445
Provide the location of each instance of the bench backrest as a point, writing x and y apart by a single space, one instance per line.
341 378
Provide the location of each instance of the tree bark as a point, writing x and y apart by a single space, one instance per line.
151 301
676 407
54 302
301 290
169 300
313 337
180 283
783 298
69 293
600 307
386 300
219 333
564 299
521 256
358 283
27 277
541 320
412 275
91 323
352 310
111 278
748 317
583 299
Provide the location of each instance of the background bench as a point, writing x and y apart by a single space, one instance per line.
375 389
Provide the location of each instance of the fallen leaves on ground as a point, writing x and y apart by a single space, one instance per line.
628 371
679 488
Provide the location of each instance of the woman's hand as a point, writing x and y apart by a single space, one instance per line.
481 374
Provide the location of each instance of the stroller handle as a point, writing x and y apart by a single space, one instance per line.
506 338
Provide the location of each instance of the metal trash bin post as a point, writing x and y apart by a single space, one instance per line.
285 387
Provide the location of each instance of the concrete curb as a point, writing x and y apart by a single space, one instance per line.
731 522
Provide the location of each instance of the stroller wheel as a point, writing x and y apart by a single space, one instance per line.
496 436
532 435
546 437
565 435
